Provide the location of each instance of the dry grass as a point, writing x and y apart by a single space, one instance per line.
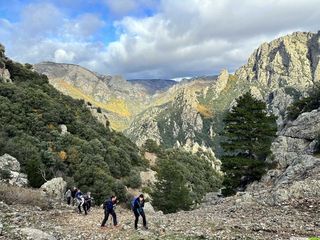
26 196
204 111
117 106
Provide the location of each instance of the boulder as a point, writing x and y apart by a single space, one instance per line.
12 167
306 126
10 163
55 188
64 129
148 208
36 234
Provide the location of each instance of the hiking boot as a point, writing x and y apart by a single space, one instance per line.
146 227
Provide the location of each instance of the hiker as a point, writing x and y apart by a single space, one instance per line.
73 195
109 206
68 196
80 200
88 200
138 204
84 205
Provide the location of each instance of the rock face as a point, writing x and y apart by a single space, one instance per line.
284 69
4 73
277 72
55 188
12 167
297 172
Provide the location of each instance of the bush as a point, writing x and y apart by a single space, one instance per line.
91 156
306 104
180 173
17 195
170 193
5 174
134 180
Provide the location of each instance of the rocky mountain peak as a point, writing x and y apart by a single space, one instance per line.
290 60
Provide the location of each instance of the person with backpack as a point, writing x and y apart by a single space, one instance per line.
68 196
80 200
109 206
88 201
137 207
73 195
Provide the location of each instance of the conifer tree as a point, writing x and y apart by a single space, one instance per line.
170 193
247 137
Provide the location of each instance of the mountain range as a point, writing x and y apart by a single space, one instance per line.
189 113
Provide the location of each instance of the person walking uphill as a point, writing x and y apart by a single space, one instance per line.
138 206
68 196
108 207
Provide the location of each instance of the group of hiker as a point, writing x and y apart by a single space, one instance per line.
137 206
84 201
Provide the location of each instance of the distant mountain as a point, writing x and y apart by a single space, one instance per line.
114 95
277 72
189 113
153 86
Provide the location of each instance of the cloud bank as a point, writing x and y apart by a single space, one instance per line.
163 39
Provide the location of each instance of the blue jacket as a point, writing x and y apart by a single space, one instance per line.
138 206
108 205
78 195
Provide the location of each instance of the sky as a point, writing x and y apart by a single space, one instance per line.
149 38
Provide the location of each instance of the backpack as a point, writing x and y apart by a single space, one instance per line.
132 202
105 204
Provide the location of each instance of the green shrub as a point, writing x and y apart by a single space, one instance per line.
180 172
134 179
306 104
93 156
170 193
5 174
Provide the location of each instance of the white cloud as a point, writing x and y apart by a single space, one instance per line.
83 26
203 36
183 37
61 55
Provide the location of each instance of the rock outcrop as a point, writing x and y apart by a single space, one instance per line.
297 172
11 167
4 73
284 69
54 188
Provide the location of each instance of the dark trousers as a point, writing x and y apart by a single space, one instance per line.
84 206
106 216
137 214
88 205
68 200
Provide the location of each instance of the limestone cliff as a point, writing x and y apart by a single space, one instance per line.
282 70
297 164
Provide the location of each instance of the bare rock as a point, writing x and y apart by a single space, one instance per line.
55 188
11 164
36 234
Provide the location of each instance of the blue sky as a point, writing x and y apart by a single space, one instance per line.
149 38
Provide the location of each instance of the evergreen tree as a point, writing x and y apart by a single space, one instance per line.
170 193
247 137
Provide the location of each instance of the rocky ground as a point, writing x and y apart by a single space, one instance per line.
232 218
